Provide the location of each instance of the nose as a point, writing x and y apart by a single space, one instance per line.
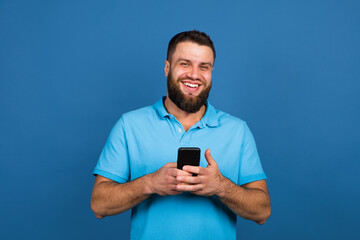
194 73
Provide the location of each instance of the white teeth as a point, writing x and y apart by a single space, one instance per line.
191 85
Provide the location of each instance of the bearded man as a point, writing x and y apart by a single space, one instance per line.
137 168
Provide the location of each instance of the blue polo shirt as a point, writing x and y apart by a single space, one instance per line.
144 140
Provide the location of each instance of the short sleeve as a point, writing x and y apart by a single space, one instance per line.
250 166
113 162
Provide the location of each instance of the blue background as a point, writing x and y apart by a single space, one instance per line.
69 69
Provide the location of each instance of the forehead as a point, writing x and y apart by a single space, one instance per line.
193 52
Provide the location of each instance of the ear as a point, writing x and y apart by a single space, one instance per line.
167 68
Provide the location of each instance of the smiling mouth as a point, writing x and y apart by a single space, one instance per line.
191 85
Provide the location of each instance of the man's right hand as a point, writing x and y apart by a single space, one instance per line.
163 181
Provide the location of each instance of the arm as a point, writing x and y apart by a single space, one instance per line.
110 198
250 201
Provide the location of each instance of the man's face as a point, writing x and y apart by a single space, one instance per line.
189 75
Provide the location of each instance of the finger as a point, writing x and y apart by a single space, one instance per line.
194 169
172 180
176 172
173 188
189 179
171 165
188 188
182 173
209 158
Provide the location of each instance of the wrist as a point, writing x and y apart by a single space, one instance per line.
147 183
223 184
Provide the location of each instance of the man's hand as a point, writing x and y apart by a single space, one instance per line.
163 181
250 201
206 183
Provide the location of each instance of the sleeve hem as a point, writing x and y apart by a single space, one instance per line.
252 178
110 176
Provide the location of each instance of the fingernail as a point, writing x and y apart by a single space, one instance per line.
179 178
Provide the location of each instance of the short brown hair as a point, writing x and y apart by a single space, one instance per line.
195 36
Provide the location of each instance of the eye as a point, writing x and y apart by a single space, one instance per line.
204 67
184 64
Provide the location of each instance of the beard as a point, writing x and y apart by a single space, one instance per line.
190 104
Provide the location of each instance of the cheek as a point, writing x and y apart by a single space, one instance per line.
207 77
180 74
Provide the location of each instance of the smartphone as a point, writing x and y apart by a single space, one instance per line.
188 156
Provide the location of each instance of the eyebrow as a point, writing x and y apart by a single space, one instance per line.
202 63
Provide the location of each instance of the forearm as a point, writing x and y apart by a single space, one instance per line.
110 198
249 203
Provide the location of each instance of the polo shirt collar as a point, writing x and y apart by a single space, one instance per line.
210 118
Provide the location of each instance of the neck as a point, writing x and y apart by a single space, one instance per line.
186 119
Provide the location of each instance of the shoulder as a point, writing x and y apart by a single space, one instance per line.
144 112
226 119
140 117
231 125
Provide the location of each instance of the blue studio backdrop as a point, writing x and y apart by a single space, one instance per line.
69 69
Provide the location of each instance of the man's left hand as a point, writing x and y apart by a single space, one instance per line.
207 182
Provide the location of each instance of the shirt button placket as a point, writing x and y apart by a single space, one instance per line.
185 139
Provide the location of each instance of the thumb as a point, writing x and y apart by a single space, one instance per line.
209 158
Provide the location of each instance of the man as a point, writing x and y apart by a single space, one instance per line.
137 167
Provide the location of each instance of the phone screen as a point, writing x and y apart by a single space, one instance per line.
188 156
